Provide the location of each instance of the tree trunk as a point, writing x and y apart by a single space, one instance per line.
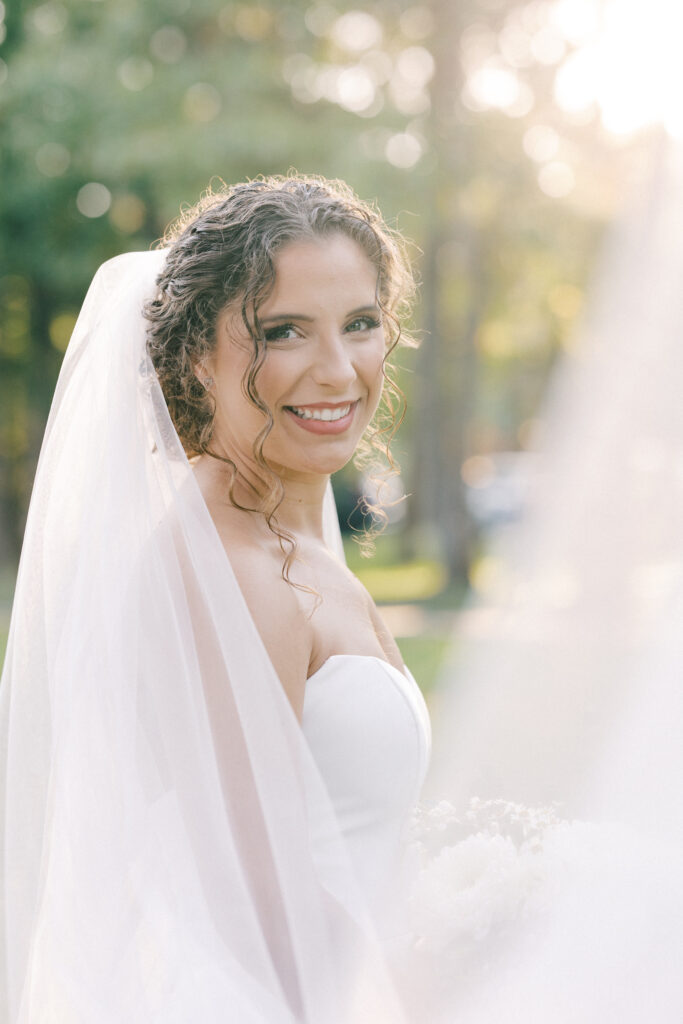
447 367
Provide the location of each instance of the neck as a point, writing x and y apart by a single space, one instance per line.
301 509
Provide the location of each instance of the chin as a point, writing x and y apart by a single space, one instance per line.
324 465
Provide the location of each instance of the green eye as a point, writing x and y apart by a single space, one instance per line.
364 323
281 332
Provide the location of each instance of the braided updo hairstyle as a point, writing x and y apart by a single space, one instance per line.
222 251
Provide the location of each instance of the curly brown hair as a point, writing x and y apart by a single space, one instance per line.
223 251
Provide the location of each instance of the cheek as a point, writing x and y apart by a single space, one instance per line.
275 377
372 370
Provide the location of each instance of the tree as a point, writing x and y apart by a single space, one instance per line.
115 114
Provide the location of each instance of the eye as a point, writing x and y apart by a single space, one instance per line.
363 323
281 332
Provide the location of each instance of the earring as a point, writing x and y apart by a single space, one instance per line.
208 383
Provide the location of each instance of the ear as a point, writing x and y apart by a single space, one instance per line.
204 376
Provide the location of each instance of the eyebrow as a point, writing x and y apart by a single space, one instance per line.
279 317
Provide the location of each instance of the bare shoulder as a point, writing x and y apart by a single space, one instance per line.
274 606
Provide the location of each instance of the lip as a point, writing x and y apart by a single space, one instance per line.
325 426
326 405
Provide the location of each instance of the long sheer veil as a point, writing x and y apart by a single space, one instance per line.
558 733
170 852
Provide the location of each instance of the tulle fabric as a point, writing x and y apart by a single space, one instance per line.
551 885
170 853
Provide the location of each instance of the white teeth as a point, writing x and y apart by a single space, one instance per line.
322 414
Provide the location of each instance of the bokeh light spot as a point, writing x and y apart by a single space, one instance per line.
565 301
541 143
127 213
355 89
50 19
489 576
168 44
547 46
356 31
60 330
135 73
408 99
576 20
319 19
524 102
576 81
301 74
403 150
556 179
491 86
52 159
478 44
495 339
252 22
415 65
15 337
417 23
379 64
202 102
93 200
477 471
515 45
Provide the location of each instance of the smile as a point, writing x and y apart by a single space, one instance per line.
323 419
327 414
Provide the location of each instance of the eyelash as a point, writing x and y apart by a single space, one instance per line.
275 333
371 323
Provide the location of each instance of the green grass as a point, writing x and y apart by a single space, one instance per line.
390 577
417 580
420 583
424 656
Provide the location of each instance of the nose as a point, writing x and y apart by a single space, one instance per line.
334 365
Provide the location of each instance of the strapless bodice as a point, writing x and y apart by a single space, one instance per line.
367 726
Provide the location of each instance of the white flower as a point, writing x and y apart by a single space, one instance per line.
467 889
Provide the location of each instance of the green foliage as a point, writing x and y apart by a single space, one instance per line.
114 114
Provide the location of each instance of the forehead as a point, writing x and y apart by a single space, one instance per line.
322 265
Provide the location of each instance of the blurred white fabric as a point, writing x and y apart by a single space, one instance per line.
558 861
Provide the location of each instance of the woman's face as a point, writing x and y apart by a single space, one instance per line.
322 375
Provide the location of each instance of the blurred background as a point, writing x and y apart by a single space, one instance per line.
501 137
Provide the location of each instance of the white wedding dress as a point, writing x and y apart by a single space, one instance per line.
368 729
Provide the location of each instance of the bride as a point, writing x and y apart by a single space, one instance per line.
269 338
209 741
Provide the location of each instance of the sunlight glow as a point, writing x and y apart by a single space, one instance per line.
355 89
403 150
628 63
616 58
491 86
541 143
356 31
